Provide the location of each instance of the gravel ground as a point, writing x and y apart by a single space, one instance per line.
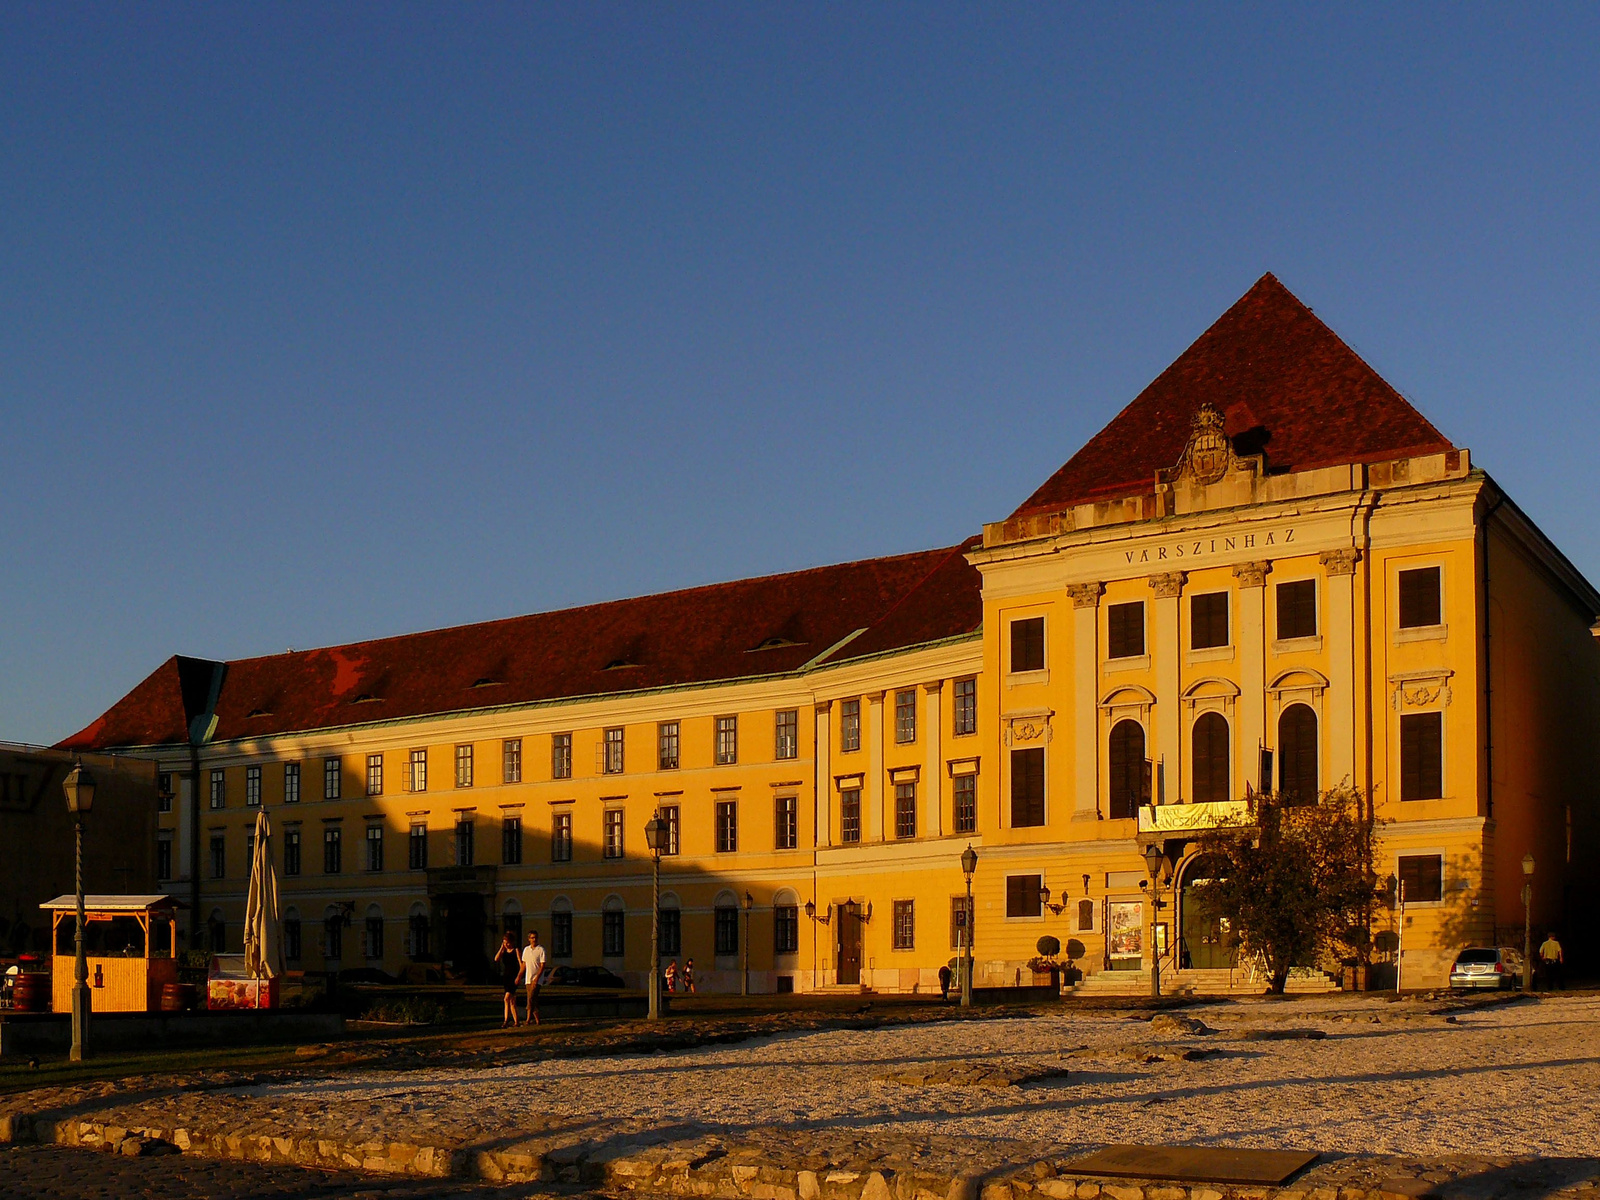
1383 1078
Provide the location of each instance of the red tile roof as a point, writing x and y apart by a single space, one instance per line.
754 627
1286 386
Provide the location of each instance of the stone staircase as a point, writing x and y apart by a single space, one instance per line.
842 989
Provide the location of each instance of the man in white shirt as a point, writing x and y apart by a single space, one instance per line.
532 969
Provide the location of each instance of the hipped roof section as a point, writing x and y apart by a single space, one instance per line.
774 625
1287 387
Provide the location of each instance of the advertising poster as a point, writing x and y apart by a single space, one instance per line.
1125 929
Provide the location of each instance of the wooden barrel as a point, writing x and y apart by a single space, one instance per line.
177 997
31 992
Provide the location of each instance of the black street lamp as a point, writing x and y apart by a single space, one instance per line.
1527 923
79 787
969 864
655 836
744 980
1152 862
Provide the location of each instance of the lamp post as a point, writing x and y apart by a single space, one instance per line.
1152 862
1527 922
79 787
655 836
969 864
744 978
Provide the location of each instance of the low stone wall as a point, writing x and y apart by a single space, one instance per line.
32 1033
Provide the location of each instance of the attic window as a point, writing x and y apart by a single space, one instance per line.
259 712
619 664
366 698
487 682
774 643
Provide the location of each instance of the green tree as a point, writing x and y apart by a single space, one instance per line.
1297 883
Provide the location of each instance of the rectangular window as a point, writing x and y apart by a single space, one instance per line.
1419 598
669 817
727 826
1297 609
219 788
966 803
1208 620
219 856
850 815
1125 630
332 770
333 937
905 925
291 938
905 716
164 792
1422 876
613 833
418 847
332 850
958 922
374 774
291 783
671 932
786 929
375 847
561 756
250 850
726 930
465 841
163 858
1027 644
464 766
1027 787
511 840
511 760
1085 916
561 935
417 766
611 933
667 746
372 938
1022 895
786 822
727 740
1422 756
964 719
252 787
849 725
561 837
291 852
614 756
905 810
786 734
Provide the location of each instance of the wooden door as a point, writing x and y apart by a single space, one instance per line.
849 922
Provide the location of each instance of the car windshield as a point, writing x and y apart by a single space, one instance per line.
1478 956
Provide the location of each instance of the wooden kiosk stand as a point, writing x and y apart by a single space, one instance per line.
128 941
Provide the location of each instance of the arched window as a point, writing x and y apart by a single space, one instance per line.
612 918
1129 787
1297 753
372 933
417 931
291 934
1210 759
511 921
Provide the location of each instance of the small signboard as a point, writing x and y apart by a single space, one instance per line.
1194 1164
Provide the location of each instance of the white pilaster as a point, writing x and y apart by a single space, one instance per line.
1252 732
823 817
1085 700
1341 706
1167 637
932 776
875 788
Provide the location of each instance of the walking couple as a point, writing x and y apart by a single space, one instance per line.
525 968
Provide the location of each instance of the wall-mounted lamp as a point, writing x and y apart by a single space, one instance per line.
1085 885
1044 899
811 911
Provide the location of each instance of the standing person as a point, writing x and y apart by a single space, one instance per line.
688 975
1550 961
532 969
944 982
672 975
510 967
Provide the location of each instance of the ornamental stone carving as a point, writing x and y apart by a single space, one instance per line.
1209 454
1086 595
1024 728
1168 586
1421 689
1252 574
1340 562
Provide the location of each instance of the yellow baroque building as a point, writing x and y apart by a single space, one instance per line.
1268 572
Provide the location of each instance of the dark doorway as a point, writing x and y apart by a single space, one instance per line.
465 925
849 918
1204 945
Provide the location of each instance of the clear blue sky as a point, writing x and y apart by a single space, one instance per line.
324 322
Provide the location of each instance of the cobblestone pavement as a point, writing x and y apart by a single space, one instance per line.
59 1173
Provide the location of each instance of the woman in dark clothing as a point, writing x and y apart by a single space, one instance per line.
506 958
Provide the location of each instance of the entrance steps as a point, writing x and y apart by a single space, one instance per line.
1199 982
842 989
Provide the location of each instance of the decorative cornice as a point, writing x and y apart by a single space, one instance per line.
1168 586
1086 595
1252 574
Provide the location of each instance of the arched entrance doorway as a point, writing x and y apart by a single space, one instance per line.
1203 943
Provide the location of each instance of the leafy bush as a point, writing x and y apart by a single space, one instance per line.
407 1010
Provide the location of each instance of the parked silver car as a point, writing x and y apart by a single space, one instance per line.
1486 967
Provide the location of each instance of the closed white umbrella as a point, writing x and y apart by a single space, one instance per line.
263 949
